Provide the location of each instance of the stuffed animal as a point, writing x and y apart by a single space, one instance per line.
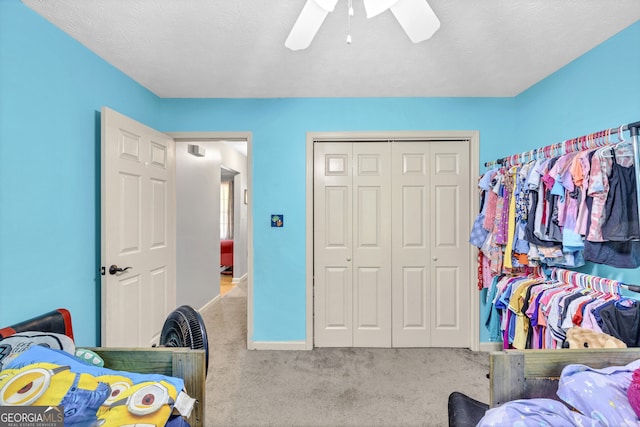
578 337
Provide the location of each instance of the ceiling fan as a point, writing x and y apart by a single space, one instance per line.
415 16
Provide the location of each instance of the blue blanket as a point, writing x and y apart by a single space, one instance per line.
90 395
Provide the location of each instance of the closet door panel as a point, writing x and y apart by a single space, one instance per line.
413 297
446 295
336 223
369 305
372 245
411 216
337 286
446 215
413 204
369 225
449 296
333 229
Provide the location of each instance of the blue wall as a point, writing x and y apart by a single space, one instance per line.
52 89
279 129
598 90
51 92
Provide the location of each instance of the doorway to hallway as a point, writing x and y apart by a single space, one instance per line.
199 210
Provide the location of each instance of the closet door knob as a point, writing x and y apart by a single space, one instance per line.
348 258
435 258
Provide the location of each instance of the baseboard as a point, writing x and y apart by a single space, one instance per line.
278 345
491 346
239 279
210 303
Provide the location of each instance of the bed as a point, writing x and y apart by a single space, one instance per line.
524 374
564 387
184 363
520 377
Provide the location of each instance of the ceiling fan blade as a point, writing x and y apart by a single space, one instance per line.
327 5
417 18
308 23
376 7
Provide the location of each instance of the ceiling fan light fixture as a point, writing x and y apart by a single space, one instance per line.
416 18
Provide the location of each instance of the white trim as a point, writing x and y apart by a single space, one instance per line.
248 137
239 279
309 240
474 158
279 345
490 346
218 297
474 204
215 300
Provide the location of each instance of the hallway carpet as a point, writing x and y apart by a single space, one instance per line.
329 386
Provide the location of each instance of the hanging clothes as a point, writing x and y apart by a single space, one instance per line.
562 212
535 311
621 207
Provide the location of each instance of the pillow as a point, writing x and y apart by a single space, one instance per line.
13 345
600 394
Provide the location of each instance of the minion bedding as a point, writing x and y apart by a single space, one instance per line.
90 395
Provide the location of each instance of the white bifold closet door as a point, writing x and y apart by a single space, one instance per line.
430 230
390 236
352 245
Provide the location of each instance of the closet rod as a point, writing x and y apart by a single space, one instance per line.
633 288
562 274
572 145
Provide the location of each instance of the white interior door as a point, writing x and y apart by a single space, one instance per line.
352 245
138 231
430 228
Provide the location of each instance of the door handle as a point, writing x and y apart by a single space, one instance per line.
115 269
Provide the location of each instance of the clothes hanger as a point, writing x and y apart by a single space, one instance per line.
621 134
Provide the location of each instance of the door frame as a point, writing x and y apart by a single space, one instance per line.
234 136
473 136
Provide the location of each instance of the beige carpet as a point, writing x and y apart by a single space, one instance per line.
329 386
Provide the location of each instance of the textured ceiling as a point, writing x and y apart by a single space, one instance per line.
235 48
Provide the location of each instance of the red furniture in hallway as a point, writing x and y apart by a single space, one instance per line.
226 254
